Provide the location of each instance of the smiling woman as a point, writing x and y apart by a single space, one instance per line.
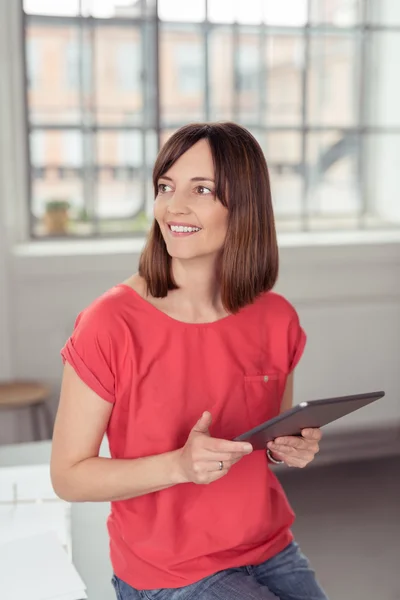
232 207
183 204
174 364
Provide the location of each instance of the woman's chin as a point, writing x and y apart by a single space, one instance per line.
182 255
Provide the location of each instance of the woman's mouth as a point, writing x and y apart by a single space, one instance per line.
183 230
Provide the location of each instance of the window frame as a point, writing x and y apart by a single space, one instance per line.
360 129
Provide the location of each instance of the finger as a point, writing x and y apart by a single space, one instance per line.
203 423
205 476
290 441
292 460
225 457
295 462
215 465
225 446
211 466
309 450
291 455
312 434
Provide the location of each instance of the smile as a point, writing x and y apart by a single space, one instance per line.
183 230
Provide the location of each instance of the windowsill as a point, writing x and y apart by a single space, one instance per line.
73 247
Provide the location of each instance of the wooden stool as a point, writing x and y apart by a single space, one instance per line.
32 396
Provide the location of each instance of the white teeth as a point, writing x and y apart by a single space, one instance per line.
183 229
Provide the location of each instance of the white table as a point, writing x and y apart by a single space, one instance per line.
89 533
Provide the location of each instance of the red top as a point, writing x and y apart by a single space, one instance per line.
161 374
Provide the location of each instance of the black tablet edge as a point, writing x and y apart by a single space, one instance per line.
299 407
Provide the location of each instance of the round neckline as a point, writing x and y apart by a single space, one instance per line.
153 309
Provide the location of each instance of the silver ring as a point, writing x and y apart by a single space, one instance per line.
221 465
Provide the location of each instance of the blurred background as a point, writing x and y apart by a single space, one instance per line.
314 80
89 91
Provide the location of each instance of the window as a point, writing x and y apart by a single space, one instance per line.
314 80
128 67
78 65
190 68
248 68
33 59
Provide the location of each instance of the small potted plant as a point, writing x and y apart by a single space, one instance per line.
56 217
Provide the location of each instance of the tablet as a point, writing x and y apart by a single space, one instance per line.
315 413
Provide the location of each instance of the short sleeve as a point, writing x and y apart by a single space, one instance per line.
89 351
296 342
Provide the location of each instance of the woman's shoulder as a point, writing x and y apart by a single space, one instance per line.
277 305
110 307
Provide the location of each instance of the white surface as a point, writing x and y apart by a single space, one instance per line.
39 569
88 524
32 482
29 506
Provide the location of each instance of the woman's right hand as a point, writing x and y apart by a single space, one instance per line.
199 461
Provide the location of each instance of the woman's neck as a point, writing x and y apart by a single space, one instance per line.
199 290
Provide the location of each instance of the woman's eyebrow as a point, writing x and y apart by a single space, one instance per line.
202 179
192 179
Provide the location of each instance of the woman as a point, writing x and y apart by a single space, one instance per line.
173 364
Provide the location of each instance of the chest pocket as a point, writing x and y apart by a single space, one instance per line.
262 397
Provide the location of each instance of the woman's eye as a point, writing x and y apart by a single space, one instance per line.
163 188
203 191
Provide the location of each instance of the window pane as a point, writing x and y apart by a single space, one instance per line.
332 165
384 12
54 73
284 56
119 194
107 9
249 12
286 13
248 78
258 84
221 73
340 13
223 11
65 8
119 75
283 153
182 10
382 167
382 80
57 182
332 80
34 60
182 75
151 155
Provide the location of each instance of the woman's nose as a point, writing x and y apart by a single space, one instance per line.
178 203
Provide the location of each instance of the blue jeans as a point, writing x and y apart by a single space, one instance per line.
286 576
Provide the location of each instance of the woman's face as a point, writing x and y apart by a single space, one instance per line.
192 220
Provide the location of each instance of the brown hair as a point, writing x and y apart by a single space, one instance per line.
249 258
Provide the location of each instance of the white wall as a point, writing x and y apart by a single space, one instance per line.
348 298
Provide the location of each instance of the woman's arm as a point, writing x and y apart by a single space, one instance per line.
79 475
77 472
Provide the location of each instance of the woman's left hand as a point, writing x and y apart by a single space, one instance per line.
297 451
